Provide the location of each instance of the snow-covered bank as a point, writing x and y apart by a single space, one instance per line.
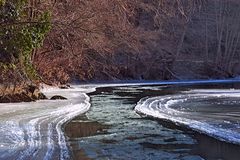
34 130
213 112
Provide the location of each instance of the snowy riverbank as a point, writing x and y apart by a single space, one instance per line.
34 130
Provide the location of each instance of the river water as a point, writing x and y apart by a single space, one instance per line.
159 122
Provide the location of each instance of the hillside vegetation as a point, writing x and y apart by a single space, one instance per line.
22 30
90 40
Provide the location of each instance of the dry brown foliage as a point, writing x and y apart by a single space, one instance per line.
112 39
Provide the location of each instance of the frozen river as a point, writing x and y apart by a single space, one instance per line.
166 121
125 121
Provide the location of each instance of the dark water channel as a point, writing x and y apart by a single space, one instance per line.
112 130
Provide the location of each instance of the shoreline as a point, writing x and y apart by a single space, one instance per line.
33 92
20 93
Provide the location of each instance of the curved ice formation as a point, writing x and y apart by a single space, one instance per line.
212 112
34 130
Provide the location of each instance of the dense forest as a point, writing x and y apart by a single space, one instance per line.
56 42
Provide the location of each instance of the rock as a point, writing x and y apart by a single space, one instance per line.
42 96
5 99
25 93
14 98
57 97
67 86
32 88
34 93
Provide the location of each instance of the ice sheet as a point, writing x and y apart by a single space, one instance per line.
34 130
213 112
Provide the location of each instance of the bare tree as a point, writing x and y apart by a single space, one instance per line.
87 35
228 32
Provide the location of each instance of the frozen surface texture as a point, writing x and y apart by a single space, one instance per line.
213 112
34 130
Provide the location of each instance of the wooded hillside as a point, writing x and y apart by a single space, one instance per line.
120 39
